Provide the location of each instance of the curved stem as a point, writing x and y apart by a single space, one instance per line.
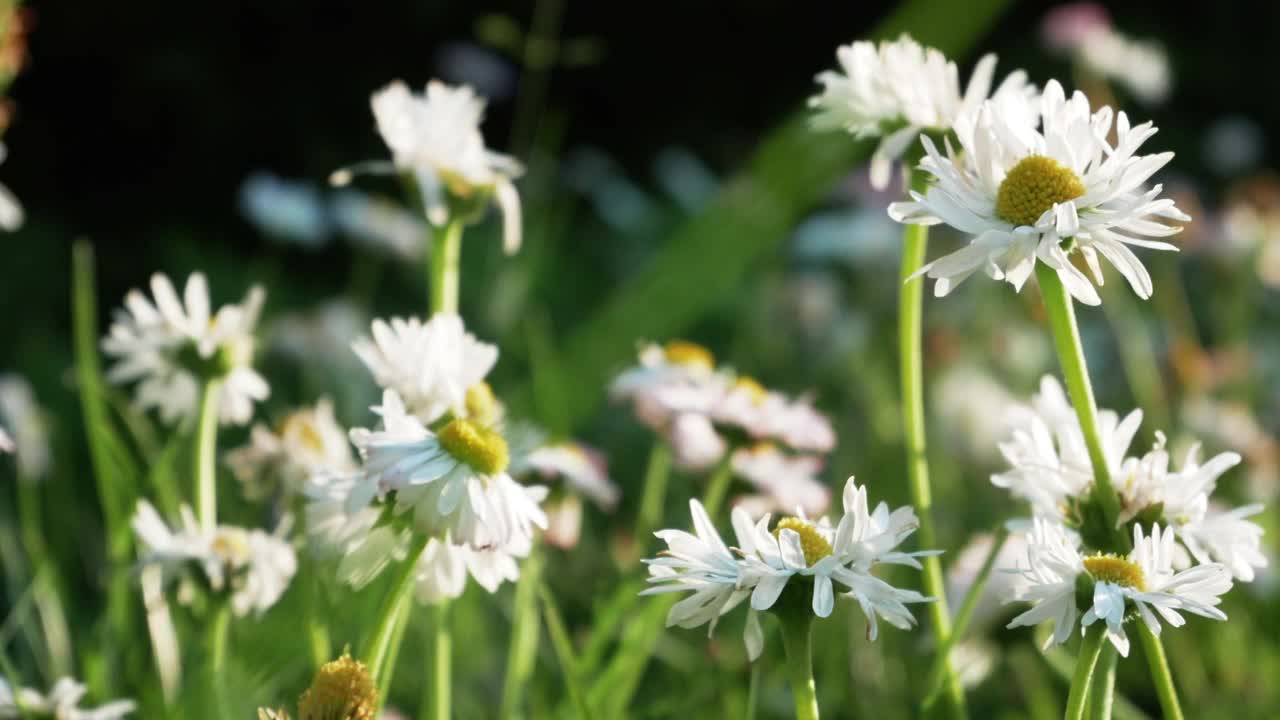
218 630
442 266
1102 694
655 493
915 240
206 468
376 652
718 484
1160 674
797 642
441 663
1066 339
1090 647
522 650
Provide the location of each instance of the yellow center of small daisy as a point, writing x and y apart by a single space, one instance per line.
343 690
1115 570
683 352
814 545
476 445
232 546
1033 186
752 388
299 425
482 405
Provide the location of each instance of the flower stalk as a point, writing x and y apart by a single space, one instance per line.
797 642
1160 675
654 495
1086 661
1102 694
718 483
206 468
219 630
443 266
388 617
441 664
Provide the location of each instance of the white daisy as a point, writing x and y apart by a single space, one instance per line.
173 346
898 89
11 214
770 415
25 418
583 469
430 365
1049 579
444 567
62 702
436 136
676 377
308 441
787 481
695 444
1028 195
455 480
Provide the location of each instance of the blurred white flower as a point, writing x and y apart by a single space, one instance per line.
286 210
444 567
307 442
431 366
675 377
695 444
788 482
974 405
1140 66
62 702
174 345
584 470
22 416
251 567
11 214
379 224
1026 195
898 89
768 415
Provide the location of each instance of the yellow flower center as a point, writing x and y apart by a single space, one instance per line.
683 352
1033 186
342 690
476 445
814 545
300 426
1115 570
752 388
482 405
232 545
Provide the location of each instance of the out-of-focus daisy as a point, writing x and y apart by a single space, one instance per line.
786 482
252 567
308 441
766 414
21 415
285 210
62 702
1029 195
1115 587
1084 31
171 346
11 214
585 474
899 89
666 374
695 444
432 366
444 567
436 137
379 224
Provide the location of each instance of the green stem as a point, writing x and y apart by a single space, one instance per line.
1090 648
718 484
219 629
753 691
1066 339
797 643
376 652
442 266
564 653
523 649
393 648
1102 694
655 493
206 468
441 664
1160 675
915 239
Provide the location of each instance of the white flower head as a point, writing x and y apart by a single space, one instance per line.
769 415
584 470
23 416
669 379
786 481
1030 193
444 567
171 346
896 90
436 137
432 366
307 442
62 702
11 214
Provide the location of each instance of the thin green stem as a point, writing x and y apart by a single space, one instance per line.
218 631
915 239
797 642
393 648
205 457
753 691
718 484
564 653
1090 648
523 645
441 663
1066 338
1160 674
656 474
1102 694
376 652
442 266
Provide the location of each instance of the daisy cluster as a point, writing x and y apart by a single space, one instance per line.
709 414
1187 549
62 702
796 555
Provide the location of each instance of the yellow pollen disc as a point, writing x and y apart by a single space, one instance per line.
482 405
752 388
1116 570
342 690
814 545
299 425
762 447
683 352
1033 186
231 545
476 445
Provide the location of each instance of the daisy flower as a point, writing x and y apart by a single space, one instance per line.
898 90
786 482
668 379
1060 582
444 567
20 412
436 137
61 702
252 567
585 474
770 415
435 367
172 346
308 441
11 214
1028 194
